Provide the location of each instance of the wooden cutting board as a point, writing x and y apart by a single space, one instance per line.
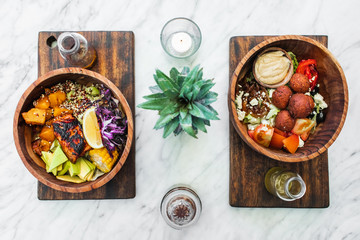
248 168
115 60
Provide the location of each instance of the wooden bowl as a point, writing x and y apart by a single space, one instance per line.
333 88
288 75
22 132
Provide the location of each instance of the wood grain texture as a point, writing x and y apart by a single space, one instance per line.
115 60
333 88
248 167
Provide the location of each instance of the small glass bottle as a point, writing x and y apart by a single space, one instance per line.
180 207
285 184
74 48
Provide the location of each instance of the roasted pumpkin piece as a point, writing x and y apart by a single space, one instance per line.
47 91
58 111
47 133
34 116
56 98
42 103
49 114
45 145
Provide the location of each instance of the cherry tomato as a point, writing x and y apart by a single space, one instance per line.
251 133
263 134
303 125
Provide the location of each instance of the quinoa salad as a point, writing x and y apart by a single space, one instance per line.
78 130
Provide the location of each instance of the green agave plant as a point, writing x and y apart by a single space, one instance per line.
183 101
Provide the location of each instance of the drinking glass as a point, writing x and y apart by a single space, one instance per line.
180 207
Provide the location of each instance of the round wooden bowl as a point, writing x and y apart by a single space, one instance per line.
333 88
22 132
288 75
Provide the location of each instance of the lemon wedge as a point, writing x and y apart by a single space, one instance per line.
91 129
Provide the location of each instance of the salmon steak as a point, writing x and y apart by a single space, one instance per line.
69 133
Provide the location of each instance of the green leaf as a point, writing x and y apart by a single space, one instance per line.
205 89
155 96
171 94
189 95
169 109
185 71
207 122
180 80
155 89
196 88
165 119
294 61
209 98
183 112
213 110
200 75
186 125
170 127
178 130
197 112
165 83
189 81
199 124
157 104
160 74
173 74
208 113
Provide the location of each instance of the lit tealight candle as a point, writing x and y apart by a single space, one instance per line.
181 42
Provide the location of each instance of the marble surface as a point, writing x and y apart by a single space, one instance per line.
201 163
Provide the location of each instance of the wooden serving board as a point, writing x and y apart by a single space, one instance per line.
248 167
115 60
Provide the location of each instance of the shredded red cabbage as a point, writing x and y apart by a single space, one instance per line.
113 126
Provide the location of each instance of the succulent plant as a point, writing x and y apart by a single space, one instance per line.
183 101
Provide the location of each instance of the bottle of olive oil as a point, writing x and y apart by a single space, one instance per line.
284 184
76 50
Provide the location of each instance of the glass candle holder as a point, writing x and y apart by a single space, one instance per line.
284 184
180 37
74 48
180 207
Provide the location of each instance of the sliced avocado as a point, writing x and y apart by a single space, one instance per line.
90 175
74 168
46 157
84 168
58 158
70 179
90 164
59 168
66 166
93 91
54 145
70 94
54 171
96 174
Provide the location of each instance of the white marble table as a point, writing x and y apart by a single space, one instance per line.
201 163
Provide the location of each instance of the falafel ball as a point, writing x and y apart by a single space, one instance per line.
284 121
281 96
311 101
300 105
299 83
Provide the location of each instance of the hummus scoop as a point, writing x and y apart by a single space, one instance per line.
273 67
